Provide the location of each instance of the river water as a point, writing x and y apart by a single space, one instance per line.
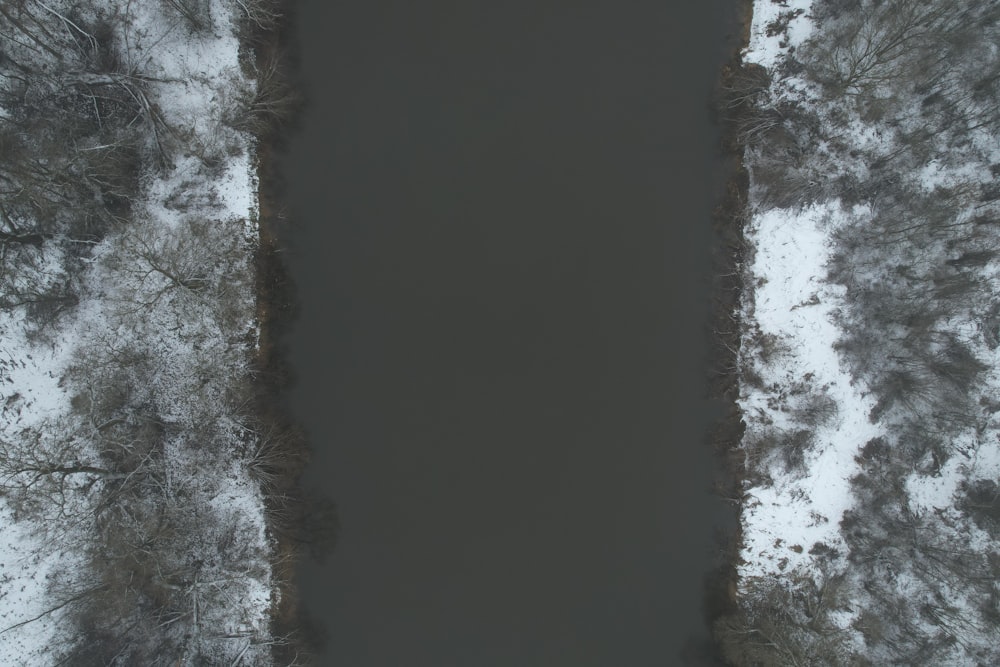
501 241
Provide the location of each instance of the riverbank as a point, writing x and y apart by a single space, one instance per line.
132 458
301 526
868 333
730 256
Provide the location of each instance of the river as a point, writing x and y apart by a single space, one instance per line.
501 241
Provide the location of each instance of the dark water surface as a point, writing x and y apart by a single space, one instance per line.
502 251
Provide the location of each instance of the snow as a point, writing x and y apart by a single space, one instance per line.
237 188
25 580
792 302
194 69
767 50
937 175
30 390
30 395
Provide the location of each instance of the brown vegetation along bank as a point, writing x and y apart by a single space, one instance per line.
729 218
301 525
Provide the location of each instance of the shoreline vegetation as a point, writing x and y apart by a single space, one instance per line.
275 311
303 525
725 325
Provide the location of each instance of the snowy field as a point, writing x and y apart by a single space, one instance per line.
793 308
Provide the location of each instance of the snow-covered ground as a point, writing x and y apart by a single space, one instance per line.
792 312
187 334
767 43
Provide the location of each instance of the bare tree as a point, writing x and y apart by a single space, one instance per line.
194 12
874 45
